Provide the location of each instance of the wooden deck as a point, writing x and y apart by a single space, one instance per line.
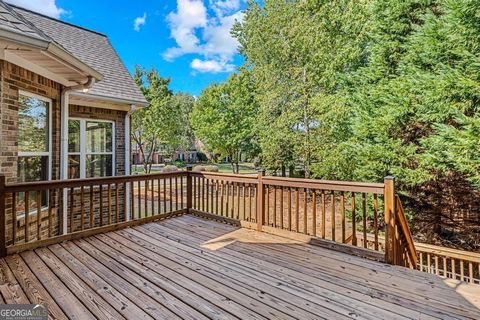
191 268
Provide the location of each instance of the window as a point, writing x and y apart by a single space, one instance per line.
33 138
34 143
90 148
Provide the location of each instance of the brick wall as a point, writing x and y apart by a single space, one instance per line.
14 78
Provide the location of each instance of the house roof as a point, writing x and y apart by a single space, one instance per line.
91 47
14 22
19 36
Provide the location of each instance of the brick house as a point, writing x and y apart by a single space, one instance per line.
68 84
65 103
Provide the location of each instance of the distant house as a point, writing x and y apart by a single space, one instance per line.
66 98
160 156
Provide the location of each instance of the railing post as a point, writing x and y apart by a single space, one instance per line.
389 198
3 243
189 187
260 201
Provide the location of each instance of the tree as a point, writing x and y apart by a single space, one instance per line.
416 104
223 118
156 123
182 104
297 51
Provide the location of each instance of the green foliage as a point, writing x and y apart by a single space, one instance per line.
416 99
164 121
223 118
358 90
298 51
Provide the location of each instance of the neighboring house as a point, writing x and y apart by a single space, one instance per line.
190 156
66 98
65 102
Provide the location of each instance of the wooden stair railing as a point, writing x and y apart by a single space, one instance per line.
407 254
399 245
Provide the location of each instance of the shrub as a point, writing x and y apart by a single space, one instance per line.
206 168
170 168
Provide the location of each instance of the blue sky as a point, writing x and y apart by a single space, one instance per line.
186 40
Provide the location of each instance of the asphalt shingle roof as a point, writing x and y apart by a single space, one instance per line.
92 48
12 21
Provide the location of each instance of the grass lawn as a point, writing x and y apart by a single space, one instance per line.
245 168
139 169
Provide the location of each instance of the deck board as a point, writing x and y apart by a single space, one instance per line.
332 284
190 268
389 287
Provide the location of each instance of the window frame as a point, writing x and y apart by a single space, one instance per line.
83 145
49 128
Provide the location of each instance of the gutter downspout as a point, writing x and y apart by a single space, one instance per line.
64 141
127 159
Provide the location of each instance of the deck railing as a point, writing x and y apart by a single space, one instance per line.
331 212
449 263
340 212
442 261
39 213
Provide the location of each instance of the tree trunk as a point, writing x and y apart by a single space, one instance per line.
284 171
306 122
231 163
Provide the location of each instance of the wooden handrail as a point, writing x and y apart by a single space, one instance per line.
56 184
448 252
347 186
238 178
405 232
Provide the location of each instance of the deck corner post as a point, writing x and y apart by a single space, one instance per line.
260 201
189 188
389 198
3 243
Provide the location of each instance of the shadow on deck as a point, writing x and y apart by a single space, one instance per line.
192 268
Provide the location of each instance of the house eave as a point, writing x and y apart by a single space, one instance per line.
73 61
102 98
51 50
23 40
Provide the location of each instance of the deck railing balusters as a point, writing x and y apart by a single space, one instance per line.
14 215
271 202
333 217
289 211
314 213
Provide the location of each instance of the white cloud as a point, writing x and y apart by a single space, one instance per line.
190 15
139 21
211 66
222 7
217 37
46 7
195 32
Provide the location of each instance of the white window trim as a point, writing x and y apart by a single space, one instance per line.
49 152
34 154
83 150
